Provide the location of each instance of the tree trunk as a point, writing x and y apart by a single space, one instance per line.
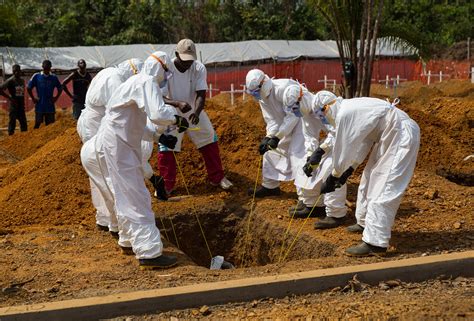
351 20
365 68
353 48
370 62
360 64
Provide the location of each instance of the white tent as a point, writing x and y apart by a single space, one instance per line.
65 58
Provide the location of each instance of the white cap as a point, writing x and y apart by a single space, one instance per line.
186 49
256 78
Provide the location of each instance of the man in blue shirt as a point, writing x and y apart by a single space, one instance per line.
45 82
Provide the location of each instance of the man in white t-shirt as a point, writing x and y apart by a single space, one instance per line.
188 87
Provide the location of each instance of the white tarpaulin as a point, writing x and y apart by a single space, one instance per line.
65 58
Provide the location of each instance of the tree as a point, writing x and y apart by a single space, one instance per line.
429 25
10 27
353 22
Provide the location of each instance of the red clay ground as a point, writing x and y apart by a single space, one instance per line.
431 300
48 237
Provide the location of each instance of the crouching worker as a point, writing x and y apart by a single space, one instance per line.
119 138
361 124
283 146
317 165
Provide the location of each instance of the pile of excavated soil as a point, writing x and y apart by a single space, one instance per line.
445 114
50 186
24 144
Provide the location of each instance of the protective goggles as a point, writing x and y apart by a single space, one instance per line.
321 112
256 92
295 108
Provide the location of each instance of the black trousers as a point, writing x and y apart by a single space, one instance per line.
17 113
48 118
76 110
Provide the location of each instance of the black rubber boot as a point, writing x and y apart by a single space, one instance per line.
127 250
356 228
159 184
329 222
160 262
365 249
298 207
264 192
115 235
316 212
102 228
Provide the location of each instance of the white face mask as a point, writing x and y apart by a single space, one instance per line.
295 109
319 113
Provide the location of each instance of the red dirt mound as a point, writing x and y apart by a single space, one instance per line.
445 114
238 132
24 144
48 187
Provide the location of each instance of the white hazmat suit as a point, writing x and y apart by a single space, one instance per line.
361 124
120 138
148 141
280 164
99 92
309 187
288 128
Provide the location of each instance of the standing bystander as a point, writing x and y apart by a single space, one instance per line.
16 87
187 88
45 82
81 80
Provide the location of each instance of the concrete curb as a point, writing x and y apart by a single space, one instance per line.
141 302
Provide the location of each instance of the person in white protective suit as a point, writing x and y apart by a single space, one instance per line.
99 92
319 161
188 88
362 124
119 138
283 147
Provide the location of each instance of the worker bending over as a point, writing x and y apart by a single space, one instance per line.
318 163
362 124
119 138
